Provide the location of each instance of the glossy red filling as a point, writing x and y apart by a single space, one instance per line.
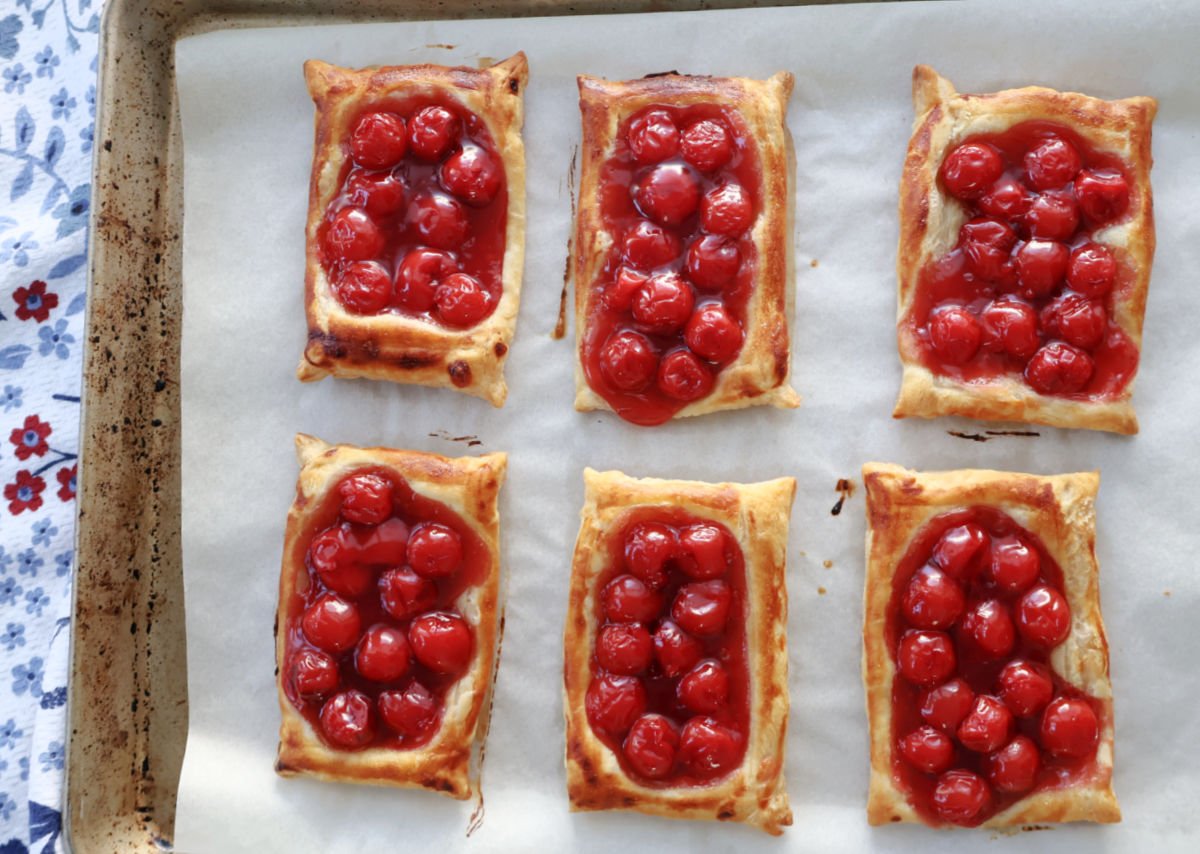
1028 290
980 719
679 195
670 692
417 227
374 640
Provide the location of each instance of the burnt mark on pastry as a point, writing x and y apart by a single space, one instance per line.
471 440
814 263
845 489
501 349
560 327
988 435
672 73
415 361
441 46
460 373
1012 432
1026 828
974 437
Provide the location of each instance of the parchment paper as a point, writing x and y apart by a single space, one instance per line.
247 126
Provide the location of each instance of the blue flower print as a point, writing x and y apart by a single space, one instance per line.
24 763
9 733
9 28
52 700
7 805
62 103
13 637
6 561
9 591
18 249
53 757
28 562
43 532
90 97
46 62
16 77
74 211
55 340
28 677
62 563
88 135
10 399
38 602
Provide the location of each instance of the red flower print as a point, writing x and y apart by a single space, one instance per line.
66 479
31 439
34 302
25 493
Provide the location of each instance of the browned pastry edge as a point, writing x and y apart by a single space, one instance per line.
470 487
394 347
930 219
1060 511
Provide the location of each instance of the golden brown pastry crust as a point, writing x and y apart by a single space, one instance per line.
392 346
757 515
1060 511
759 375
469 486
930 220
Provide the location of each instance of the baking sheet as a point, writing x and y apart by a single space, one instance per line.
247 131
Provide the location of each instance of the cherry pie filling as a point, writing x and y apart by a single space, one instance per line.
417 228
1029 288
679 194
374 641
670 693
980 719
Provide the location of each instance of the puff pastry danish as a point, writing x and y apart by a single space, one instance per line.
388 616
416 224
675 681
683 251
1026 240
984 655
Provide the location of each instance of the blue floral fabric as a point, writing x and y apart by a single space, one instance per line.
47 111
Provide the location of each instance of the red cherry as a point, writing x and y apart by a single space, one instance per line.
1041 267
705 688
1103 194
441 640
989 625
1059 368
1052 163
619 295
928 750
384 544
1014 565
987 244
675 650
663 304
1076 319
1014 767
702 607
1006 199
379 140
1070 729
682 376
653 137
411 712
713 262
648 245
382 654
614 702
472 175
932 600
439 220
1092 270
925 658
336 562
707 145
628 600
987 726
363 287
946 705
1010 326
705 551
404 594
959 550
969 170
713 334
366 498
651 746
624 648
1053 216
1043 617
352 235
314 674
1025 687
628 360
648 548
420 273
431 132
348 720
708 749
954 334
381 193
434 550
461 301
667 194
331 623
961 797
727 210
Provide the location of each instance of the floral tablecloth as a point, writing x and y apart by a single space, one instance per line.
47 109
